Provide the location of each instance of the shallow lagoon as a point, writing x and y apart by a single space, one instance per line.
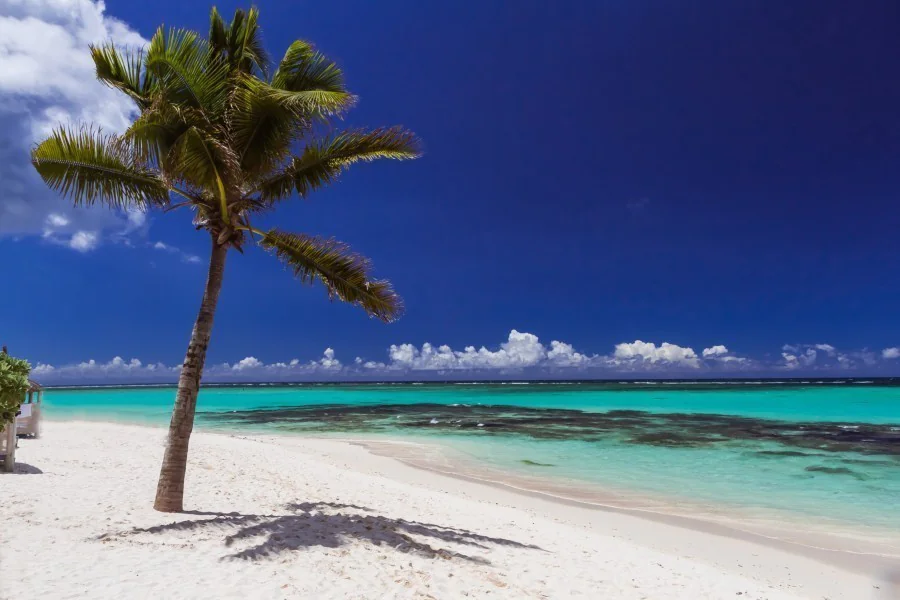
827 450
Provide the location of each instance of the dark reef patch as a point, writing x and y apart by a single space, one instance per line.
872 462
784 453
677 430
836 471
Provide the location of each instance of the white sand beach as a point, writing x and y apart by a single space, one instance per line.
277 517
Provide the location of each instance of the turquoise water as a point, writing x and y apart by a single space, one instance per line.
823 449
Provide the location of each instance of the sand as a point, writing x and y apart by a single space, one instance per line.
285 517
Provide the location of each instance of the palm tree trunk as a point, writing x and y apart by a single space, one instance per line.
170 489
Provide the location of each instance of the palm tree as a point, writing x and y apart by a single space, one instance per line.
230 142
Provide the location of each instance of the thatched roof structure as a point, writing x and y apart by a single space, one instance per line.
34 386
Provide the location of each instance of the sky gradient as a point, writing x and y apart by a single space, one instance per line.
609 175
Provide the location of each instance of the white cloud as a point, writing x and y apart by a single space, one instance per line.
328 360
47 77
648 352
42 369
56 220
253 368
521 354
795 361
83 241
185 257
825 357
44 44
564 355
116 370
715 351
136 219
520 350
525 351
720 355
251 362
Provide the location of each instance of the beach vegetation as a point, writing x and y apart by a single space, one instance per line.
13 386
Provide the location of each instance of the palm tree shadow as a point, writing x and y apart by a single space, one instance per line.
311 524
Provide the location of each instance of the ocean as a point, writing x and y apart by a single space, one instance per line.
816 455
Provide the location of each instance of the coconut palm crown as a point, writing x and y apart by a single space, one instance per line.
223 136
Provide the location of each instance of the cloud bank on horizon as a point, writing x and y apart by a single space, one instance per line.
522 355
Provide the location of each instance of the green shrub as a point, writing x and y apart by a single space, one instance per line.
13 386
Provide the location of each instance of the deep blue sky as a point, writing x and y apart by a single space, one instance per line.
595 172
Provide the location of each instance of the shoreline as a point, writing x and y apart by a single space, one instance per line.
655 508
289 516
825 545
854 560
778 565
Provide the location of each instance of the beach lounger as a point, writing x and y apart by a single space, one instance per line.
28 421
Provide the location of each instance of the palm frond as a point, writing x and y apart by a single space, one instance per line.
314 103
302 69
179 59
265 121
262 127
245 47
322 161
122 71
201 161
160 125
218 36
88 166
344 274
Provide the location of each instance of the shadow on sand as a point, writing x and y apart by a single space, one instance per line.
311 524
23 469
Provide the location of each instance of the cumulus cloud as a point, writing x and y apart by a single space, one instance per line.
524 351
648 352
890 353
48 78
83 241
55 220
795 361
251 362
328 361
715 351
721 356
564 355
520 350
44 44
